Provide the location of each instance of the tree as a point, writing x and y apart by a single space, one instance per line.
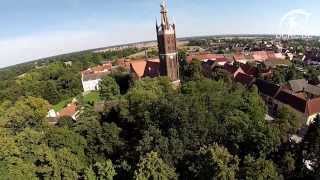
287 122
109 89
258 169
153 167
12 165
103 139
66 122
288 164
27 112
214 162
192 71
104 171
51 92
311 149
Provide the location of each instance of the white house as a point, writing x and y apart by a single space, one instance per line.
92 76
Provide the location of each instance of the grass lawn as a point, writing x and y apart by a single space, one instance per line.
91 97
62 104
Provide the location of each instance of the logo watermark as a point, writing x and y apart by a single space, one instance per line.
294 25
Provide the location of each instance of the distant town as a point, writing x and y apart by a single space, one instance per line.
217 107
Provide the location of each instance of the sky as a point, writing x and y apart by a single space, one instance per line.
33 29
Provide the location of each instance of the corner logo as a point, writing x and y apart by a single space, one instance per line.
294 24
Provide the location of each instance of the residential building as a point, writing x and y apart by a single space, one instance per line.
71 110
92 76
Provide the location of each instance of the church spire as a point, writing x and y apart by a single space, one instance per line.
164 15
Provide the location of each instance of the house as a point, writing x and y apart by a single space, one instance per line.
279 56
71 110
91 77
276 96
52 117
233 70
243 58
260 55
220 59
124 63
298 85
304 89
245 79
68 63
247 69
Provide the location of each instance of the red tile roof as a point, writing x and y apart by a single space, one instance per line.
290 99
68 111
97 72
143 68
245 79
260 55
250 70
94 76
313 106
202 57
233 69
230 68
238 56
138 67
98 69
125 63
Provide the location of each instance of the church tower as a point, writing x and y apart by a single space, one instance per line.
167 45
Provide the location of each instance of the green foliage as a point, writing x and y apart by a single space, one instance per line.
102 138
311 149
258 169
153 167
27 112
181 128
91 98
109 89
214 162
192 71
287 122
104 171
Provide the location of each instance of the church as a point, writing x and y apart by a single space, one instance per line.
167 64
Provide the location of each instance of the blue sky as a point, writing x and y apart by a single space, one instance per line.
32 29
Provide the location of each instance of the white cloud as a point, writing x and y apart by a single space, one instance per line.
26 48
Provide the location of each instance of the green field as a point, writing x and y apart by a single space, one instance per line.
62 104
91 97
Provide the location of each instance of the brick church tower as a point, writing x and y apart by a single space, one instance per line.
167 45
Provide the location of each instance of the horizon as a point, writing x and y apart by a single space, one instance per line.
62 27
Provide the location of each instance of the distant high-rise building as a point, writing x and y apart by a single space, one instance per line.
167 44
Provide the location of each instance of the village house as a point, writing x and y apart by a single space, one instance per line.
243 58
91 77
276 96
219 59
302 88
71 111
248 69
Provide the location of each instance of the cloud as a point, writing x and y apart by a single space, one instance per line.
26 48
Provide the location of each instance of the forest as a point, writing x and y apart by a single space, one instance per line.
204 129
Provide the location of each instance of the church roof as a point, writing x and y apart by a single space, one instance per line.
143 68
138 67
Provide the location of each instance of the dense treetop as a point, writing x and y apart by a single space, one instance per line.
204 129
